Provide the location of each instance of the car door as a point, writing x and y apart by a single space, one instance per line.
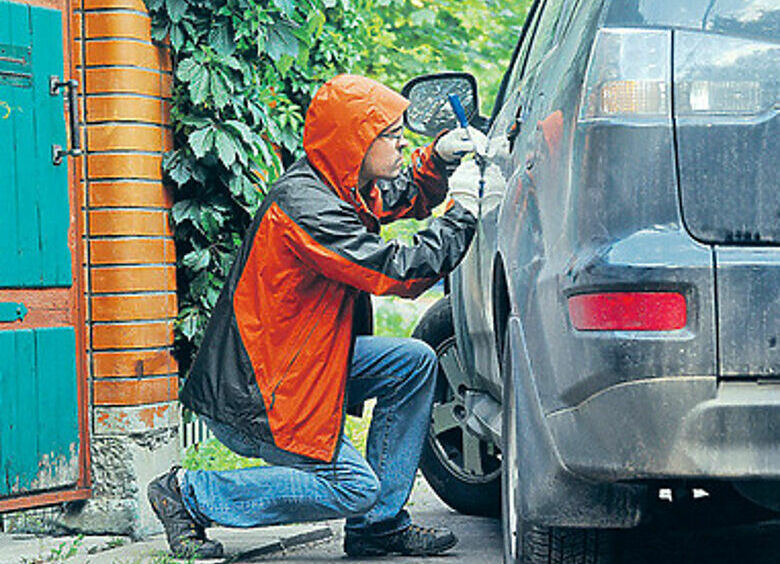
511 154
472 313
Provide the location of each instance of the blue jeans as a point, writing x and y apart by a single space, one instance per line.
370 492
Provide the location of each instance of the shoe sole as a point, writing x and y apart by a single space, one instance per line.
370 550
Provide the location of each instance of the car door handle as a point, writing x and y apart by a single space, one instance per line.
515 127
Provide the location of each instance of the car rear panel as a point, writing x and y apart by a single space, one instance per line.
728 137
727 128
705 222
748 297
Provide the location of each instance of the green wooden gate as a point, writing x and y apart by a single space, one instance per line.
40 440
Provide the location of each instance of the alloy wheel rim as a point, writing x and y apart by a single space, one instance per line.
463 454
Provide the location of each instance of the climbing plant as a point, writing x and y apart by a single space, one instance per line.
244 72
244 69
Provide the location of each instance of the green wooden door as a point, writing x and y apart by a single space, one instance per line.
39 411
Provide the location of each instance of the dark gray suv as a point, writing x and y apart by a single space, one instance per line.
614 331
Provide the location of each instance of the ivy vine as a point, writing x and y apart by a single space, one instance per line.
243 71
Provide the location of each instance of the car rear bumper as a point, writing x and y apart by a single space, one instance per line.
673 427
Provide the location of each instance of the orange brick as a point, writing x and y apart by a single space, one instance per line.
104 4
132 335
167 139
76 54
134 363
121 52
127 108
132 251
135 392
125 166
125 138
134 81
133 279
133 307
75 24
123 24
129 194
128 222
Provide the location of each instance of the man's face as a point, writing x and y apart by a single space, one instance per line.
384 158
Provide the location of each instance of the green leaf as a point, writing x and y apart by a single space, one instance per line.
212 295
199 284
236 185
201 141
176 9
188 325
232 62
221 39
284 63
281 41
185 210
219 91
194 121
269 156
160 30
181 171
226 148
242 129
286 6
177 37
315 22
210 222
241 153
197 260
199 85
186 68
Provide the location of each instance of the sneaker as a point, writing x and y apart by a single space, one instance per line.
412 541
186 538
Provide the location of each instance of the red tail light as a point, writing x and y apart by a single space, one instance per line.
628 311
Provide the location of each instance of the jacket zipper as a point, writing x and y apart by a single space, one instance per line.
298 352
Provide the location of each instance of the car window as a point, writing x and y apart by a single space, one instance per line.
567 13
544 38
517 70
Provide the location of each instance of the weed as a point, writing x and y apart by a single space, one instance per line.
66 550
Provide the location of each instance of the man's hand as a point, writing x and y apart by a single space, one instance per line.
464 185
453 145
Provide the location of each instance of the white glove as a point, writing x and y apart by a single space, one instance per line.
464 186
454 144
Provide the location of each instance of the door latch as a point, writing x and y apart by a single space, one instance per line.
71 87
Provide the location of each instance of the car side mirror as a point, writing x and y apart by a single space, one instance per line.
430 112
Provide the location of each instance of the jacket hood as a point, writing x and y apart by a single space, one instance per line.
344 117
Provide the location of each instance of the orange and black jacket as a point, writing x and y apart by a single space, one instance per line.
276 353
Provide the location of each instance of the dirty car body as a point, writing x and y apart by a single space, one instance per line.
618 314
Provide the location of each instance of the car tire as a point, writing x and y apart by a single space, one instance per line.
464 471
528 543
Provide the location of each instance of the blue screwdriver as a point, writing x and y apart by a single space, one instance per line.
460 113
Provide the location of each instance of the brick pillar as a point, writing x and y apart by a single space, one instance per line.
130 257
